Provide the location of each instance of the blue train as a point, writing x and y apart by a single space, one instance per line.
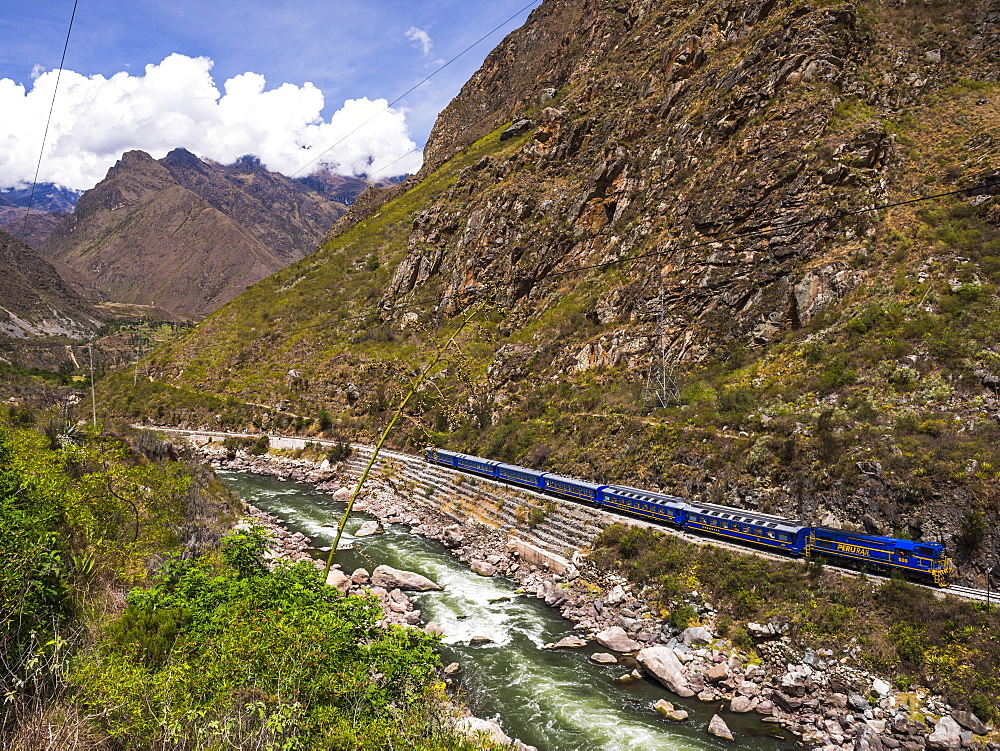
925 561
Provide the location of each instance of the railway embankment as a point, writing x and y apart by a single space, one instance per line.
542 543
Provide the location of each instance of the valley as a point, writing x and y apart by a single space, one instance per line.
745 254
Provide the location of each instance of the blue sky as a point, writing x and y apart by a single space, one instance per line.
348 49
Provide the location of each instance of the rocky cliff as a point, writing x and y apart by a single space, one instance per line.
739 194
187 235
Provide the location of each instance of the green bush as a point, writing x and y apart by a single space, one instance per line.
212 658
683 616
324 421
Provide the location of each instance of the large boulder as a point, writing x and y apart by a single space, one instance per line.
368 529
338 579
669 711
868 740
483 568
740 704
947 735
718 727
342 494
475 727
567 642
391 578
696 635
970 722
663 664
615 638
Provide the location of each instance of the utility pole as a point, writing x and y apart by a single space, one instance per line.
661 382
93 394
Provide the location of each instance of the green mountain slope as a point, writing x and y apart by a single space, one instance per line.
715 163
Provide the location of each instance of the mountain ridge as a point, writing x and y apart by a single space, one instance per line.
184 234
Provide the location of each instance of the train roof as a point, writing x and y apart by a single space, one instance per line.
861 537
519 468
745 517
473 457
573 480
645 495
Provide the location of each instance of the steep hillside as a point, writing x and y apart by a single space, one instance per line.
187 235
716 167
40 225
35 302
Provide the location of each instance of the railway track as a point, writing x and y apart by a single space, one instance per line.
972 594
967 593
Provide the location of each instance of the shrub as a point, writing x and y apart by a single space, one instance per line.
208 658
683 616
324 421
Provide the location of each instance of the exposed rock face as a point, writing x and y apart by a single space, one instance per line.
390 578
969 721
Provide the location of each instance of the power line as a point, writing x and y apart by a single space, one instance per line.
411 90
41 151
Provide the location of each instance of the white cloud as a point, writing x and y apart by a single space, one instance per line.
177 104
422 38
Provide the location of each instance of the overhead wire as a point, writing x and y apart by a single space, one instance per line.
48 122
410 91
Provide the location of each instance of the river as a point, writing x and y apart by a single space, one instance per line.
555 700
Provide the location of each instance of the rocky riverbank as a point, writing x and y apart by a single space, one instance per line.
821 697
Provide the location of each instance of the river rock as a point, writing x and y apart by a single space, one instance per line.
483 568
360 576
970 722
615 638
881 688
368 529
616 595
741 704
475 641
568 642
337 578
391 578
663 664
765 707
453 536
947 735
718 727
867 740
434 629
716 673
475 727
668 710
452 668
604 658
696 635
342 494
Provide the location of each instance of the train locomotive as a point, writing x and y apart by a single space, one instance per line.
923 561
